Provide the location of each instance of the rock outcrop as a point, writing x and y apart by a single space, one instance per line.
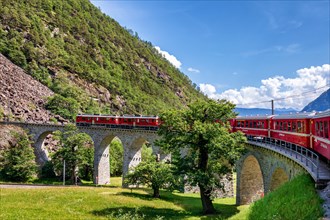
22 98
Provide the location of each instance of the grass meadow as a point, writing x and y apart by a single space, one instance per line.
86 202
296 199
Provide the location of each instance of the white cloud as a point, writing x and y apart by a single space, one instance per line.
190 69
208 90
172 59
287 92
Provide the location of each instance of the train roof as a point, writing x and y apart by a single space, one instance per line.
97 115
304 115
120 116
257 117
322 114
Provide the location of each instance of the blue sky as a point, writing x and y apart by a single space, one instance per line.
245 51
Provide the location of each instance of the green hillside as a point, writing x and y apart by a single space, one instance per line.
89 60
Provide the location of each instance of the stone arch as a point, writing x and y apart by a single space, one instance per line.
132 151
101 160
278 177
135 152
251 185
42 154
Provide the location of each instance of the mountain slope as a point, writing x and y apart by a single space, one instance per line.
321 103
22 97
91 62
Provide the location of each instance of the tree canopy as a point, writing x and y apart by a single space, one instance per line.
17 162
77 150
152 173
201 136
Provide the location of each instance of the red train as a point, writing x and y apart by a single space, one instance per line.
114 121
310 130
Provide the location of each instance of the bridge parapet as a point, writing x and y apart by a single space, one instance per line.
308 159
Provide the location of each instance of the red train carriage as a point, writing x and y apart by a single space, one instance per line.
141 122
257 126
97 120
113 121
321 133
293 128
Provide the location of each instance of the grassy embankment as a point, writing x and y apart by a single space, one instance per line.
296 199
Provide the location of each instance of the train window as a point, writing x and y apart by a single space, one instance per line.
281 126
294 126
285 126
254 124
317 128
289 126
300 127
238 124
246 124
276 126
321 129
326 129
250 124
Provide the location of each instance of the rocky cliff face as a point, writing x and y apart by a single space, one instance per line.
21 97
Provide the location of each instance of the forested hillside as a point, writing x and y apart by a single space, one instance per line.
89 60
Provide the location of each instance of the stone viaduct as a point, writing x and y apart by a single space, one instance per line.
266 166
132 141
262 169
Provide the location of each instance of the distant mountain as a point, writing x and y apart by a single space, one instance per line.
319 104
263 111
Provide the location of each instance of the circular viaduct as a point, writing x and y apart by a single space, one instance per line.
260 171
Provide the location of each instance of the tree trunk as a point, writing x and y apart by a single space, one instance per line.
156 192
74 175
205 193
207 204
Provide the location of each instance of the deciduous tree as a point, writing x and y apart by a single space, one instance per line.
152 173
76 149
201 135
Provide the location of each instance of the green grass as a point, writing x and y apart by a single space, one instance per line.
296 199
106 202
